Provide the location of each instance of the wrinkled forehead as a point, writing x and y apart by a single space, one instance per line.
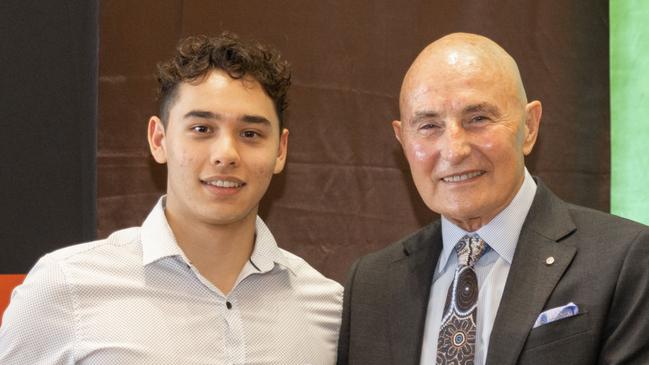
451 72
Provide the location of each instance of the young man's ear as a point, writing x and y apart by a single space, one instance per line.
157 140
281 152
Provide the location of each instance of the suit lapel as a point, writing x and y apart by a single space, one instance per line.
410 280
538 264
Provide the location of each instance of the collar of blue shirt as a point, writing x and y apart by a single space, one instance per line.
501 233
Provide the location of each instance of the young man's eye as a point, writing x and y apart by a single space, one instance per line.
249 134
200 129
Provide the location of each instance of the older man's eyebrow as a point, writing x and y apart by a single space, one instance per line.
483 108
424 114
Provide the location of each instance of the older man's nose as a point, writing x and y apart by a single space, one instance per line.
455 145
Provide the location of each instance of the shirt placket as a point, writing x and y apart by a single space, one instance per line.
235 349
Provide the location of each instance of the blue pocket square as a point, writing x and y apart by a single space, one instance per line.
556 314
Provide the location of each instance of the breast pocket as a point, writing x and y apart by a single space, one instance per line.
563 330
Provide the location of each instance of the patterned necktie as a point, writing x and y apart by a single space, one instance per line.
456 342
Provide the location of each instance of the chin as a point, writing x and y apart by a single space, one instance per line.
461 208
225 218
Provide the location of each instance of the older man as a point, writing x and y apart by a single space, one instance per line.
511 274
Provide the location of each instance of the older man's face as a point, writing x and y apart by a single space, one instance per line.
465 135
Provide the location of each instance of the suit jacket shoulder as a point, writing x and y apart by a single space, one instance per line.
419 242
568 253
386 296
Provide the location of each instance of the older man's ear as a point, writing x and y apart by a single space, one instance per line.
533 111
396 125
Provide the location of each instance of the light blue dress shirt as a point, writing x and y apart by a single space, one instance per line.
501 234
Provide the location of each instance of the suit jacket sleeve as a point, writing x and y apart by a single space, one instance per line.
343 341
627 326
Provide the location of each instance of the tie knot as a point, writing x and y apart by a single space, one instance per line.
469 249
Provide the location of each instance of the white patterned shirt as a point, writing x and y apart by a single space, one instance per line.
134 298
501 234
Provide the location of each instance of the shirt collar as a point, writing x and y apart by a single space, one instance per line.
502 232
266 253
158 242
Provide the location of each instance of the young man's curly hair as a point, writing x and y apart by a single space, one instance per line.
196 56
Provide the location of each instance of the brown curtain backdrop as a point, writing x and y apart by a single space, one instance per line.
346 190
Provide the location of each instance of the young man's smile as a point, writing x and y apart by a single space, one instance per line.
223 186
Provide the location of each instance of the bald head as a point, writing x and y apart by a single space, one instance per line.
466 55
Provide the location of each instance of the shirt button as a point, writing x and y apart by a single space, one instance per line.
228 305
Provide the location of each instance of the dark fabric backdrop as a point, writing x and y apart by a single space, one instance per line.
48 113
346 189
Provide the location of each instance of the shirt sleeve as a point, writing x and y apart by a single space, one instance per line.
38 326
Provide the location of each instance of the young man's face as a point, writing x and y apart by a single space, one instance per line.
222 145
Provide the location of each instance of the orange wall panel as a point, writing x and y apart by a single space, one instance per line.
7 283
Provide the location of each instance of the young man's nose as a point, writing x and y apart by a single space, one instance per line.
225 151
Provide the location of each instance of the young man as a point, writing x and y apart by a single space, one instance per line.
202 281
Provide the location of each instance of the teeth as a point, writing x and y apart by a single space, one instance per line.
224 183
456 178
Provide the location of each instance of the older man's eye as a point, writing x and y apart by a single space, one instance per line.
479 119
426 126
428 129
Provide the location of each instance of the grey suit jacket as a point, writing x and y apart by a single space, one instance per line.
601 264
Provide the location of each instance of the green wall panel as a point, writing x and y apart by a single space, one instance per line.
630 108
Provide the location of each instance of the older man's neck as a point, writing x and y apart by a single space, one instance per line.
470 224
